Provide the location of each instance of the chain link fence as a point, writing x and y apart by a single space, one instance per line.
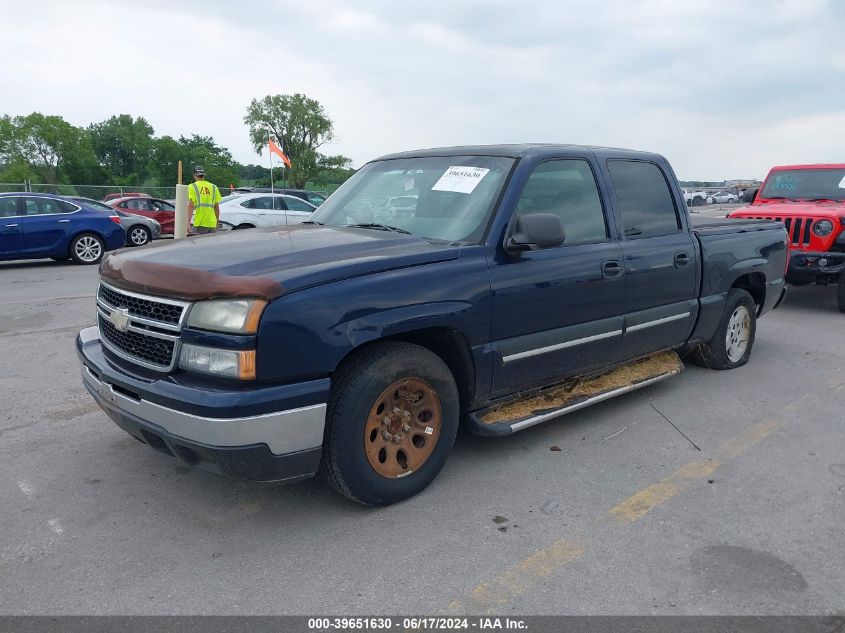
100 192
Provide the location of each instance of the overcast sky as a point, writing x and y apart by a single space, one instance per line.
722 89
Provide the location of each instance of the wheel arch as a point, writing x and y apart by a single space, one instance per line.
755 285
449 344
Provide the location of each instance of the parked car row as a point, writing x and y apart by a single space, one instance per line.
263 209
37 226
312 197
700 198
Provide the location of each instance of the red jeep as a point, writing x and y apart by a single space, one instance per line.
810 201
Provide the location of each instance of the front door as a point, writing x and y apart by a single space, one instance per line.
558 311
661 259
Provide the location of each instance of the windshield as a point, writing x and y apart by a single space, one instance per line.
446 198
805 184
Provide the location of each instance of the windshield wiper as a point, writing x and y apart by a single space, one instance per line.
379 227
822 200
312 222
767 198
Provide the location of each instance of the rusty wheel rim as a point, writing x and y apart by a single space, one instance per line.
403 428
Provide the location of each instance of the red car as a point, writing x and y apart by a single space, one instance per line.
810 201
159 210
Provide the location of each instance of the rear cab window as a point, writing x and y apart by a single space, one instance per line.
645 202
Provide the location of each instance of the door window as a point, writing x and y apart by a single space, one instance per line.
8 207
161 205
262 202
45 206
645 201
568 189
138 204
295 204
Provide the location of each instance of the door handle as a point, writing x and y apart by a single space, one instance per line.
681 259
611 269
63 221
11 226
10 229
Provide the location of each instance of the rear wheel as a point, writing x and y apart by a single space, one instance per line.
731 345
391 423
840 292
87 248
139 235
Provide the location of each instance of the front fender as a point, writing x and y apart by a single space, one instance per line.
307 333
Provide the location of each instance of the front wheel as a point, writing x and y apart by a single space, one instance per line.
731 345
391 422
87 249
840 292
139 235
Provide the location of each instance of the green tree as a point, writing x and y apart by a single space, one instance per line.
48 148
123 146
220 167
303 127
165 156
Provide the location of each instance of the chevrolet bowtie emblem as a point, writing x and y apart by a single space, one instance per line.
119 318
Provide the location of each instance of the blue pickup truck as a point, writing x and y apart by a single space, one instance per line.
434 287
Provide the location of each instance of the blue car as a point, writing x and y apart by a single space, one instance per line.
36 226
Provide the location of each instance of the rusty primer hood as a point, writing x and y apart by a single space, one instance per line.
264 263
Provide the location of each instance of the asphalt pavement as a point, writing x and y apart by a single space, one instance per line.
710 493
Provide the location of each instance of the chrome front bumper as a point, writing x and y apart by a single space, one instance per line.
283 431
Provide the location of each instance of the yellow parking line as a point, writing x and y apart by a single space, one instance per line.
646 500
490 595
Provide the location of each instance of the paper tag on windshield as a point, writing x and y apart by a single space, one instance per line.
842 183
460 179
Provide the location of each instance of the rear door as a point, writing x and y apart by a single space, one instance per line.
660 258
11 229
557 311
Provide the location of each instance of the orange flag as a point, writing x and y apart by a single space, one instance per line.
275 149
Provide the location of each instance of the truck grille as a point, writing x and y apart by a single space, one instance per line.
139 328
153 351
147 308
798 229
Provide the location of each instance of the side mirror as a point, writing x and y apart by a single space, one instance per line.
536 231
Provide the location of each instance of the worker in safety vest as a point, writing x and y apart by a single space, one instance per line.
203 203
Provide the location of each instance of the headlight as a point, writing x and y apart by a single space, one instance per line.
227 315
823 228
218 362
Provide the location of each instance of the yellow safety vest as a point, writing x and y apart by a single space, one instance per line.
204 195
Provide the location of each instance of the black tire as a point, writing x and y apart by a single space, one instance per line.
698 201
138 235
840 292
716 354
244 226
749 195
357 386
87 248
